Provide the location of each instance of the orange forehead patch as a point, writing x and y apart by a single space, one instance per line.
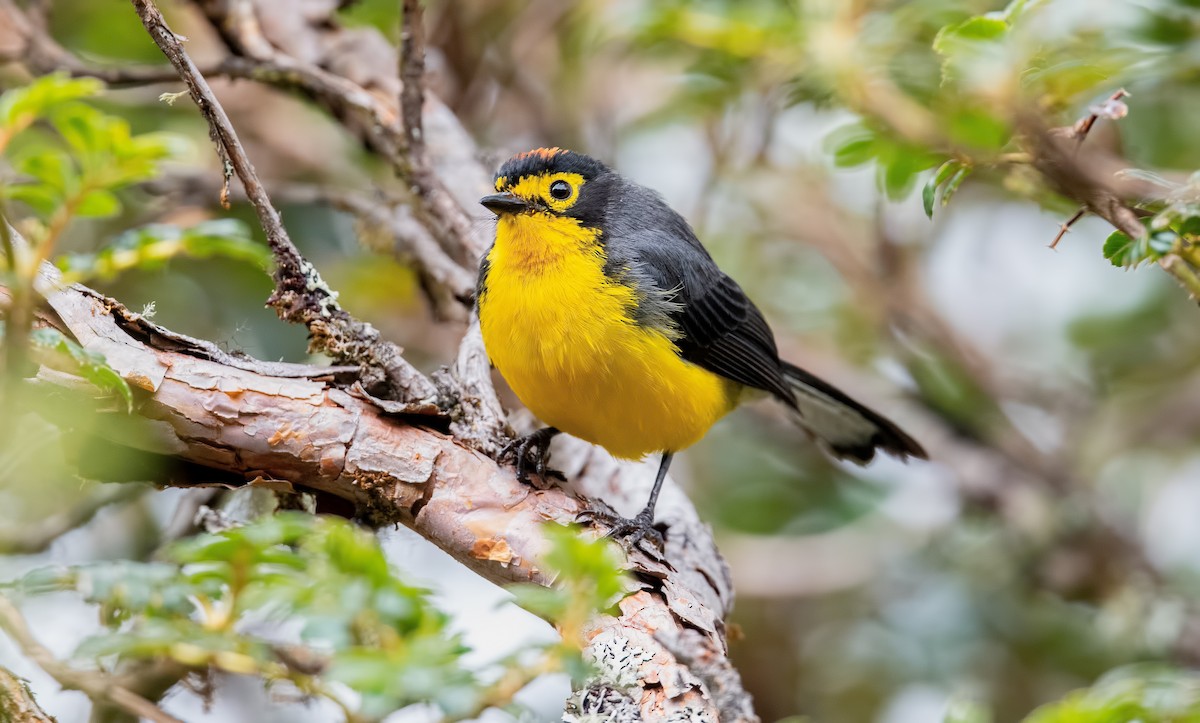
543 153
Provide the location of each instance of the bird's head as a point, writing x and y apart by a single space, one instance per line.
551 181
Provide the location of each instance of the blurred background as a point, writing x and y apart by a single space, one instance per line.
1053 536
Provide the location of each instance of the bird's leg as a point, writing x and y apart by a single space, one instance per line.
530 454
629 532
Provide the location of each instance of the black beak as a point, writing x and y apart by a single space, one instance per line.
502 203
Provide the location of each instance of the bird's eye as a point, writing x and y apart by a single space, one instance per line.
560 190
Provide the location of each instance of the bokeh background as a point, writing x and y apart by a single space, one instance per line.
1052 538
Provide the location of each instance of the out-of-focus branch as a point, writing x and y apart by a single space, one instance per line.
300 296
97 686
1095 180
37 535
412 79
368 106
448 285
375 116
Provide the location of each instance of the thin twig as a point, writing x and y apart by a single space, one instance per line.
1112 108
1064 228
97 686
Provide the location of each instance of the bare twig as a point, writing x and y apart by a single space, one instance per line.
95 685
1066 227
1112 108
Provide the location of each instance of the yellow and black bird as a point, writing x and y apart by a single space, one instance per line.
612 323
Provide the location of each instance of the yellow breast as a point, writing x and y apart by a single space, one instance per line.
563 335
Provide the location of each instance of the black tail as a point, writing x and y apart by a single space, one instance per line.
846 428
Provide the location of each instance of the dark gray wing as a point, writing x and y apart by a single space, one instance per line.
717 326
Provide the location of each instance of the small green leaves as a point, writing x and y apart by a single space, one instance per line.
212 600
1149 693
948 177
75 170
590 578
1129 253
967 45
98 204
981 27
150 247
897 163
20 107
851 145
59 352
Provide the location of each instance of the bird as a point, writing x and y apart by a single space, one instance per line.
611 322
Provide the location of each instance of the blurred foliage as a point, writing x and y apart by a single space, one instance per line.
312 603
149 247
1133 694
590 578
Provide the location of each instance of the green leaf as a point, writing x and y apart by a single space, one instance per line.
978 128
98 204
150 247
21 106
929 192
952 185
1117 248
898 169
53 167
851 145
1142 692
1161 243
1128 253
951 38
69 356
546 603
1189 227
39 197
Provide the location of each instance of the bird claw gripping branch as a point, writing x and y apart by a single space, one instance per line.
531 453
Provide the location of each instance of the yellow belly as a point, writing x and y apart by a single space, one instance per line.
563 336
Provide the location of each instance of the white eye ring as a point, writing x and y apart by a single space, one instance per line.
560 190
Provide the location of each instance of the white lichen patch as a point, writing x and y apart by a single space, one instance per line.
618 661
314 282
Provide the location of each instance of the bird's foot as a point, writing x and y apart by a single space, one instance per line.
531 453
628 533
